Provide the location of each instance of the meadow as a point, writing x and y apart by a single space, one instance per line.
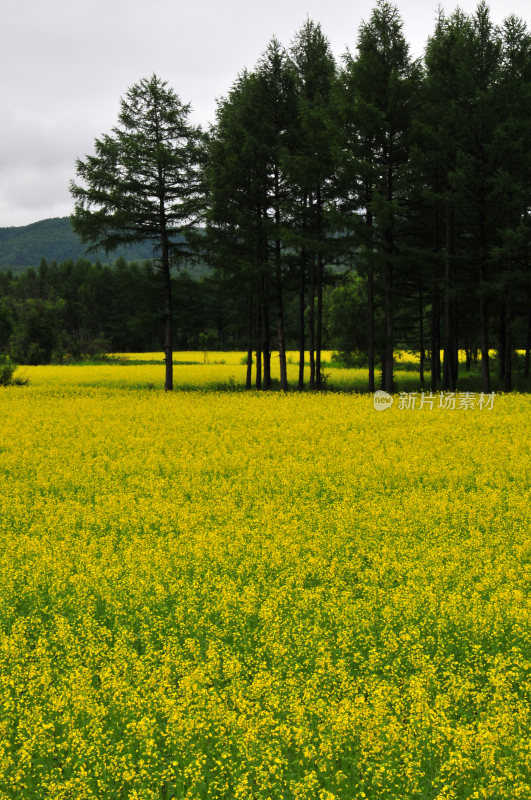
212 595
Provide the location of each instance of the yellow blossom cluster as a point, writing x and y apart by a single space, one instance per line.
226 596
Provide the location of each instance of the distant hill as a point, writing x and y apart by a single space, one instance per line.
54 240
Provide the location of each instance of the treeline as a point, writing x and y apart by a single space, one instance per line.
415 175
79 309
369 205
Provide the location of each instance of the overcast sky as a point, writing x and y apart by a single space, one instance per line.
65 65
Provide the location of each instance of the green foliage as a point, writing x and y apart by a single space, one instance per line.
7 373
345 315
7 368
141 185
6 323
349 359
37 332
109 309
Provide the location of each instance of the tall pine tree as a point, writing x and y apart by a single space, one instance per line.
143 184
386 82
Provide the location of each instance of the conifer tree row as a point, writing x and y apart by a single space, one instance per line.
414 175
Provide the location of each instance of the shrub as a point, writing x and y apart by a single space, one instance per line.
7 371
349 359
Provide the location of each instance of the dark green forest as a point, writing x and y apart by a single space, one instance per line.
366 204
74 309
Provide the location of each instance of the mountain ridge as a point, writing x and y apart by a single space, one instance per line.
54 239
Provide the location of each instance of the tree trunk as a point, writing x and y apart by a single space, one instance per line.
435 328
302 293
455 318
166 277
311 322
387 372
280 322
483 312
527 357
278 279
266 347
508 344
370 298
435 333
249 374
421 336
485 370
501 342
258 382
449 366
282 353
168 309
319 331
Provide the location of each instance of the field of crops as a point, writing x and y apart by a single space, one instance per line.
192 370
241 596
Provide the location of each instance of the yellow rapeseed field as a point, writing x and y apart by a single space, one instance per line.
236 596
201 370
